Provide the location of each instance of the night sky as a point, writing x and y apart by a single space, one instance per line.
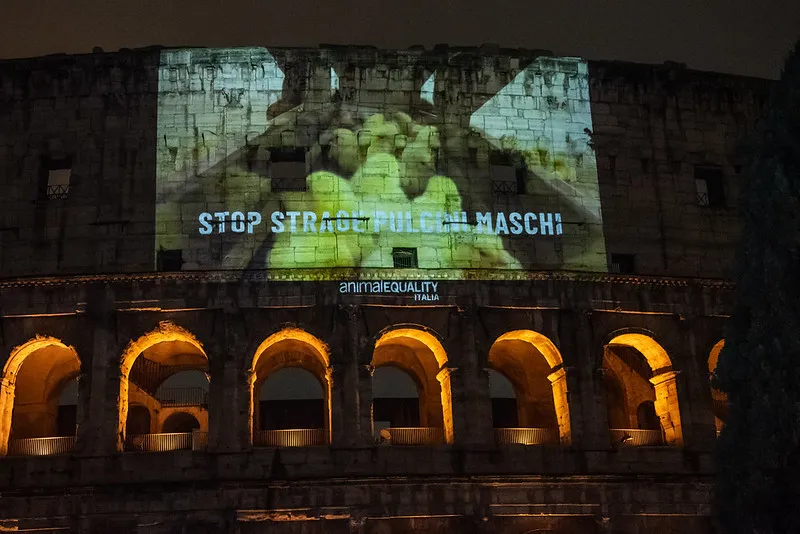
735 36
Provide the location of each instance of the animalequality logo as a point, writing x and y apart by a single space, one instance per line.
422 291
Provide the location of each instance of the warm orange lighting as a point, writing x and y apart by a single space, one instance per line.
663 381
290 347
68 362
526 358
166 331
428 363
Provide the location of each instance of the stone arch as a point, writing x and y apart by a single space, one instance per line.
139 419
658 373
395 397
535 367
719 398
180 422
291 347
420 353
32 380
169 345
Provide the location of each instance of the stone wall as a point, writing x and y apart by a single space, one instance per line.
651 127
470 482
82 272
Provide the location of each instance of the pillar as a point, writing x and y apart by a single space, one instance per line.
586 393
562 381
351 384
471 405
667 407
229 402
99 434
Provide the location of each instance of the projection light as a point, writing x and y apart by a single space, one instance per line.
480 172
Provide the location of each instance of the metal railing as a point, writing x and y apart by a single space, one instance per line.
148 375
526 436
296 437
414 436
41 446
178 441
629 437
182 396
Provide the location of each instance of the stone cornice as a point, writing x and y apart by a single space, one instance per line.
340 274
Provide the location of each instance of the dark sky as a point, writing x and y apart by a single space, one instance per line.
737 36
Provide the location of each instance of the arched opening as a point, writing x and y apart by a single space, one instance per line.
718 398
138 420
290 391
67 416
163 373
533 367
292 398
395 401
410 369
641 392
646 416
38 399
504 401
180 422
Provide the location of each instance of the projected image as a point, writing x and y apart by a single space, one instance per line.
284 162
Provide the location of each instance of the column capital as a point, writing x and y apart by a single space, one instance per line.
445 373
664 377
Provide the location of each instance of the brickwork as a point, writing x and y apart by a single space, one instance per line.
79 275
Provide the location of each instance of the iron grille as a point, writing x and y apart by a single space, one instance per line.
57 192
504 188
404 258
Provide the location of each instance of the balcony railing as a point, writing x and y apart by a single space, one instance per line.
179 441
526 436
629 437
300 437
41 446
413 436
182 396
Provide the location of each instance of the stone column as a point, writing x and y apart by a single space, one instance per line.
351 385
587 399
98 434
667 407
229 389
469 387
564 381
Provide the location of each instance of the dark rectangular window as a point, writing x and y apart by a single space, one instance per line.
170 260
622 264
708 182
58 174
288 169
508 174
404 258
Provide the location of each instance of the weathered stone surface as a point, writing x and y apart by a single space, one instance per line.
652 126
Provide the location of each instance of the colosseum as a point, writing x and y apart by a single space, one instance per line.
362 291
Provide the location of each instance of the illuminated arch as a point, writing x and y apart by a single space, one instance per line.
165 332
540 342
417 351
532 363
290 347
718 398
61 363
663 381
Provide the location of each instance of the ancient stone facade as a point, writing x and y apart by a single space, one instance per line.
621 440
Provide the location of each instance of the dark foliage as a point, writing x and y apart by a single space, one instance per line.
758 455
